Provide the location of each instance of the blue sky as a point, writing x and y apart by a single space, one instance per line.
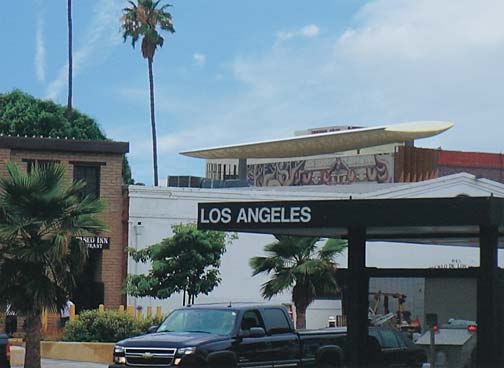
238 71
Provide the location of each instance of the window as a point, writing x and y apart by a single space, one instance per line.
276 321
250 319
389 339
30 163
90 174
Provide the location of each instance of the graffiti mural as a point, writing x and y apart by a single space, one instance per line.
324 171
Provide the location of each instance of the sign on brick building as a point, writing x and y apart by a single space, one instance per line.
95 242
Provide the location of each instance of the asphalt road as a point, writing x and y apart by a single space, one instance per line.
50 363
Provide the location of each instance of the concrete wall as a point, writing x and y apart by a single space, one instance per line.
451 298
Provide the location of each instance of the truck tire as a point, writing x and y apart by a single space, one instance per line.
329 365
330 361
222 360
223 364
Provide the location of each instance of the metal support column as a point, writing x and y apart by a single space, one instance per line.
242 169
358 289
488 349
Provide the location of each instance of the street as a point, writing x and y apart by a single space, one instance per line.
51 363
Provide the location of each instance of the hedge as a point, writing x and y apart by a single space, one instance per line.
107 326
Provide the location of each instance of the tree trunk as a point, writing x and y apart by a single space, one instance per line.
300 317
69 17
153 122
33 334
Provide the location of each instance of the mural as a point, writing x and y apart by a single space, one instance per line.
325 171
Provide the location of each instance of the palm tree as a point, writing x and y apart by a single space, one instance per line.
143 20
40 257
297 263
70 83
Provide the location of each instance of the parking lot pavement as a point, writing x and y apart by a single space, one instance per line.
51 363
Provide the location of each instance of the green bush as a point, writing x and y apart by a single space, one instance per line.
109 326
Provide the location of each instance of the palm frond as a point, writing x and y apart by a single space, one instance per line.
332 247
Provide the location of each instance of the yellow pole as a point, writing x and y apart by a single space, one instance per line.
149 312
72 312
121 309
101 308
44 320
158 311
131 311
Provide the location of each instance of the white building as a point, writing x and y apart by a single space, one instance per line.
152 212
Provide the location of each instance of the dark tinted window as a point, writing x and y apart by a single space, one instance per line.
276 321
91 176
251 319
388 339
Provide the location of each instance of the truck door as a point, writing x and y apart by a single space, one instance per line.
284 341
253 351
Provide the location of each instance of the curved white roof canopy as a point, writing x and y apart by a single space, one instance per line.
324 143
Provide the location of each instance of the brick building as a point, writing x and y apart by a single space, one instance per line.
100 164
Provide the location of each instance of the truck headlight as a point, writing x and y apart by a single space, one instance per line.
119 349
186 351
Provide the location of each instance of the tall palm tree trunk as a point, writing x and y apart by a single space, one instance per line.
33 335
153 122
300 317
70 61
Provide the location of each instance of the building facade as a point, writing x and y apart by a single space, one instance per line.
100 165
154 210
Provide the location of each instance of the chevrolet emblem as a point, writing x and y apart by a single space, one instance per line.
147 355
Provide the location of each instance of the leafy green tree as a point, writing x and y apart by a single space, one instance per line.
144 19
24 115
188 262
297 263
40 256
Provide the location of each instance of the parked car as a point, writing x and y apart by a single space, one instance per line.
4 351
242 335
397 349
455 343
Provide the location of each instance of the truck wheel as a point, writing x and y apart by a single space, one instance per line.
222 364
331 361
329 365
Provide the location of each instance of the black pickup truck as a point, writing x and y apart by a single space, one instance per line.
4 351
236 335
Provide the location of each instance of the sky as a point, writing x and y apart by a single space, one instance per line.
241 71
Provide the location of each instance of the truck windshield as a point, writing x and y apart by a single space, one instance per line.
212 321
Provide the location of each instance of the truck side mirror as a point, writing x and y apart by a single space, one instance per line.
257 332
152 329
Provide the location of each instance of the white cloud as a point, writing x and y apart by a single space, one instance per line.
40 66
308 31
99 38
199 59
400 61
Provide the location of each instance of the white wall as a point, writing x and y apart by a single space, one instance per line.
154 210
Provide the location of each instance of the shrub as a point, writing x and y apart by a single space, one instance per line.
109 326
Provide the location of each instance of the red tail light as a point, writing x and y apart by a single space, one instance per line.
7 351
472 328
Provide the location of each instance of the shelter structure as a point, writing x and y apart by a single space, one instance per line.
471 221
